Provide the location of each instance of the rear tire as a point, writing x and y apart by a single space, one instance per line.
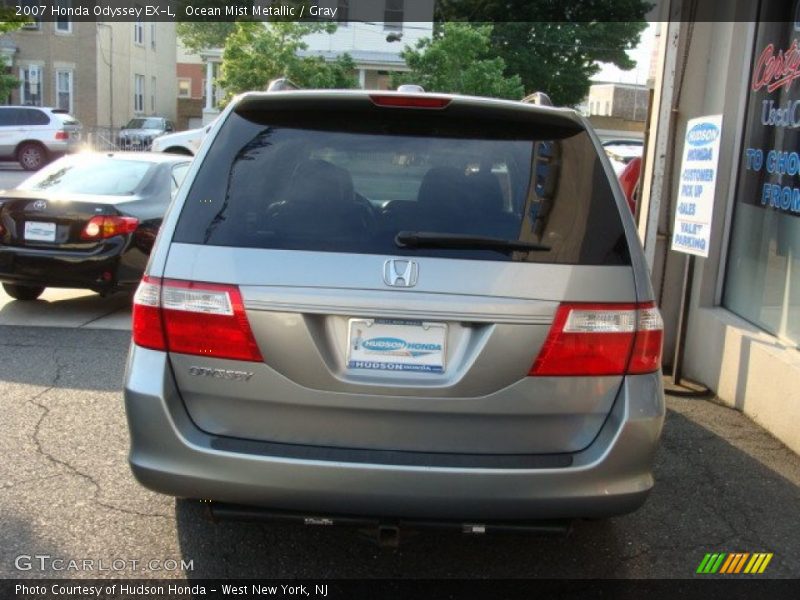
23 292
32 156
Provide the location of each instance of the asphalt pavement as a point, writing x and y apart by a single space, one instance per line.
723 485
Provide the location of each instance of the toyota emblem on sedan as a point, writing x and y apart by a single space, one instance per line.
400 273
39 205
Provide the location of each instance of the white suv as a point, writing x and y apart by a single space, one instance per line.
33 135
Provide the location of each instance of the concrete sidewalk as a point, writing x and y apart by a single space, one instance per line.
69 309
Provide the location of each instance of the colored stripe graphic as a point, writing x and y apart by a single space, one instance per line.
703 563
734 563
711 563
765 563
728 563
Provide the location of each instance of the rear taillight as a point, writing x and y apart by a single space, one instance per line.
205 319
148 326
601 339
103 227
396 101
62 135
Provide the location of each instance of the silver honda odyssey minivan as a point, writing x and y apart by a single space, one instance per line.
407 307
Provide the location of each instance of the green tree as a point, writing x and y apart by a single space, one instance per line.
10 22
204 32
554 45
254 54
459 59
203 35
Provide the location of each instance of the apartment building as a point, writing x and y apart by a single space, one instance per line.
622 100
103 73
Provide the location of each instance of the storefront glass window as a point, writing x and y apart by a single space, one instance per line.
763 271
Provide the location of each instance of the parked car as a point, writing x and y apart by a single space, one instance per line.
622 151
140 132
397 307
182 142
33 136
629 180
85 221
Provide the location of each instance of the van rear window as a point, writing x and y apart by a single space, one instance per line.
332 184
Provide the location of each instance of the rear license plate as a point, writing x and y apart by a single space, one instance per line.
390 345
36 231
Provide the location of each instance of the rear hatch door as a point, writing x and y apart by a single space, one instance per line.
366 342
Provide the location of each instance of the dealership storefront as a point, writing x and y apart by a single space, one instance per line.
743 335
762 281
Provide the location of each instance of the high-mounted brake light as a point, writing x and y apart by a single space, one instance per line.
204 319
395 101
601 339
105 226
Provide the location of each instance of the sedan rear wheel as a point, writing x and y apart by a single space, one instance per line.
23 292
32 156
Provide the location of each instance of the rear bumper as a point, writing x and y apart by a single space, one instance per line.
58 148
54 268
169 454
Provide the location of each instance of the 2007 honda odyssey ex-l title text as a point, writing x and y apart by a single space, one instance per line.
401 306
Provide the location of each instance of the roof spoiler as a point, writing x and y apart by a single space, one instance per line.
281 84
539 98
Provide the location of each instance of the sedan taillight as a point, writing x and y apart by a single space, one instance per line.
103 227
62 135
601 339
204 319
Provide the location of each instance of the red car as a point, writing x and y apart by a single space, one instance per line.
629 180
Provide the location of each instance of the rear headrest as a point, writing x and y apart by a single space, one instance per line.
486 193
441 186
318 181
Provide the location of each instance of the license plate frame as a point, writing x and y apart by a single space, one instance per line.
40 231
395 345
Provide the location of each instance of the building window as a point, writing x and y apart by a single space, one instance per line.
184 88
608 108
138 93
153 95
343 12
63 24
30 89
64 89
138 30
153 35
393 15
34 22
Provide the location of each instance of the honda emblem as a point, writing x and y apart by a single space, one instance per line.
400 273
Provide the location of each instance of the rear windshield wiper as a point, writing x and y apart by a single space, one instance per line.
432 239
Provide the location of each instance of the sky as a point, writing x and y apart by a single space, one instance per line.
641 55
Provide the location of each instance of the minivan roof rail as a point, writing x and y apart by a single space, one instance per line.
282 84
539 98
